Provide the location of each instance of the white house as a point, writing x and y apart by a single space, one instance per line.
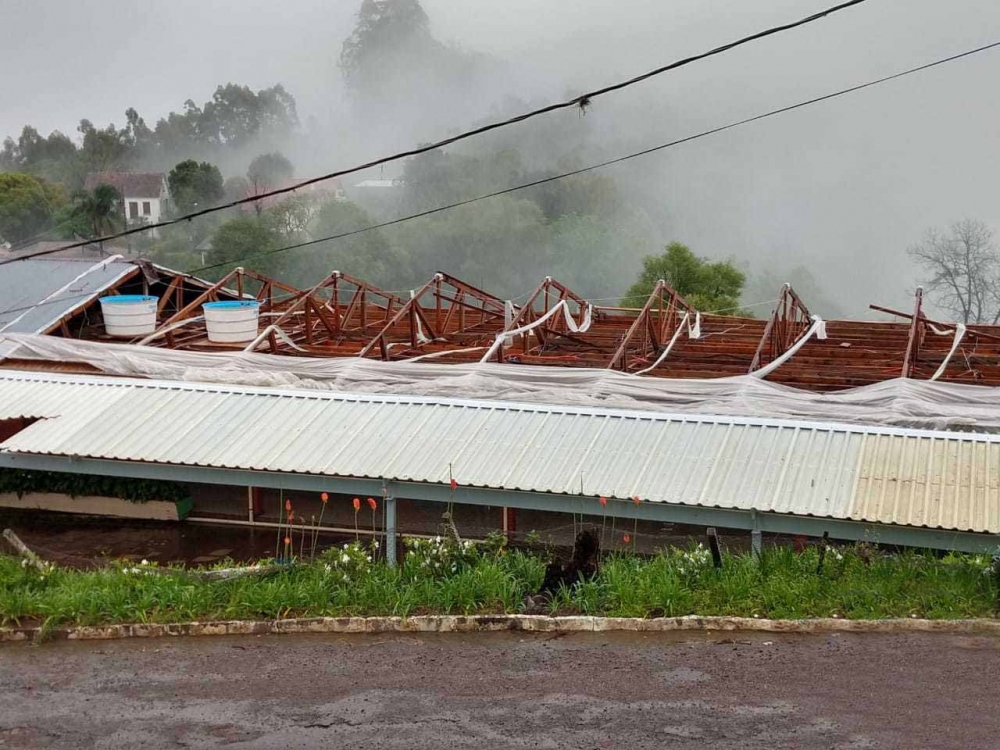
144 194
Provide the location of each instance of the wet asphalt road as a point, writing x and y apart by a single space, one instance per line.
505 690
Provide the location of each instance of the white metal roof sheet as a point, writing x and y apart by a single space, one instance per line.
881 475
37 292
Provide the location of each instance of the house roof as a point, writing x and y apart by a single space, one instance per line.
37 292
797 469
129 184
315 189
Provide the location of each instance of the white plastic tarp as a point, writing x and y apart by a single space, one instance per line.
907 403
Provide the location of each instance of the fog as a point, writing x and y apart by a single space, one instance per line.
842 187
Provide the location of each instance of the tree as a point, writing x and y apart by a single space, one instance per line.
292 216
498 243
269 170
98 212
707 286
236 115
195 185
963 267
102 149
54 157
386 30
396 71
27 205
367 255
245 241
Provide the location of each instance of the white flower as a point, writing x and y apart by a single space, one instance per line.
144 562
437 565
24 563
327 568
437 540
346 577
345 558
345 546
368 558
376 544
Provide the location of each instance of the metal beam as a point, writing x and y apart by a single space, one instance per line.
748 520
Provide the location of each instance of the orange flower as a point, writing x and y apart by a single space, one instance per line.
454 484
628 538
288 505
324 497
372 504
603 501
636 500
287 541
357 504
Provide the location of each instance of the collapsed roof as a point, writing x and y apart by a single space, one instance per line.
448 321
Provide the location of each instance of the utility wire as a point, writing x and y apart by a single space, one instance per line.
582 101
617 160
564 175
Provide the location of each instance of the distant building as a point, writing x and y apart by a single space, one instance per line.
379 184
327 190
144 194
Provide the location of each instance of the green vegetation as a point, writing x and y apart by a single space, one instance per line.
449 578
710 287
27 204
23 482
193 185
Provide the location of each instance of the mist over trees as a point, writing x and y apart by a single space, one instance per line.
403 82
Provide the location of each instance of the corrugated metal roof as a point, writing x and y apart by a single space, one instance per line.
880 475
32 281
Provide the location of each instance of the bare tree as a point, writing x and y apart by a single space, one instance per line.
964 270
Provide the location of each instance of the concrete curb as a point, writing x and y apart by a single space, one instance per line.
495 623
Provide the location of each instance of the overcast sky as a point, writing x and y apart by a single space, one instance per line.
844 186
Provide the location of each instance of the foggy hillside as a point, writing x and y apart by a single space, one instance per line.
828 197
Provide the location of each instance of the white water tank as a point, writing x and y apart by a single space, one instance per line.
232 321
128 315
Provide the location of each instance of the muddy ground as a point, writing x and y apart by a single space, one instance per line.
505 690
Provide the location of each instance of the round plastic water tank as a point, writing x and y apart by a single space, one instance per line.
229 322
128 315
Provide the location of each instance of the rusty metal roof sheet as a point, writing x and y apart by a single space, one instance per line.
874 474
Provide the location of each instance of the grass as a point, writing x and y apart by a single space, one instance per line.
444 578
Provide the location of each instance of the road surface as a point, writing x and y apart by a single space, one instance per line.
505 690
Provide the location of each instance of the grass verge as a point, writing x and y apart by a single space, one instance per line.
446 578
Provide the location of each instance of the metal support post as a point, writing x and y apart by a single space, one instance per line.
390 531
756 540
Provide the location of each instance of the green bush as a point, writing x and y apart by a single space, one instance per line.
23 482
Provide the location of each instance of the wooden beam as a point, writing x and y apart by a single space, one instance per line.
913 340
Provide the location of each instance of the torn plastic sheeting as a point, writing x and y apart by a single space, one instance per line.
898 402
959 335
673 340
817 329
582 327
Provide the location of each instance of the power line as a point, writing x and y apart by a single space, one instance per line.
534 183
582 101
617 160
